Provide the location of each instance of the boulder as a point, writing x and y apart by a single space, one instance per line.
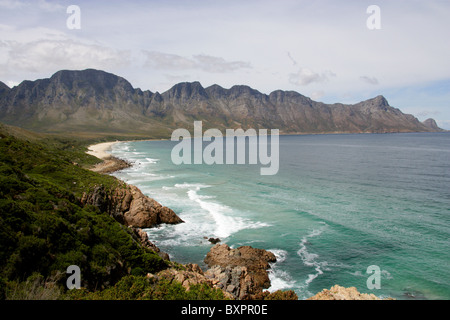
241 272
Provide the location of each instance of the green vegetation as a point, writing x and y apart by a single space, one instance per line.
140 288
44 228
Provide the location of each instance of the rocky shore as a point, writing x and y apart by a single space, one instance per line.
241 273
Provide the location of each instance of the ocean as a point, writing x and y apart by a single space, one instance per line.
338 204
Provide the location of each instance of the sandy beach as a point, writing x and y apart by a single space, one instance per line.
110 163
100 150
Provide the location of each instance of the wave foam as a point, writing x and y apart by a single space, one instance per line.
225 223
279 279
310 259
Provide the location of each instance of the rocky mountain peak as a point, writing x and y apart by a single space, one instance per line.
280 96
379 103
186 90
243 90
216 91
97 80
431 123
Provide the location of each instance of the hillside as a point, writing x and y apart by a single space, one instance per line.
100 103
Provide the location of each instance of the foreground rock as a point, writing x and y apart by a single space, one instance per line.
341 293
142 237
110 165
129 206
241 272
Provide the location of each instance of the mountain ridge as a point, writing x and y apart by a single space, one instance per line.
97 101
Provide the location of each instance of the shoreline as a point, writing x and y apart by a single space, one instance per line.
110 163
100 150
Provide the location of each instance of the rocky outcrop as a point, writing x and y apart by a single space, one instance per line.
340 293
188 275
110 165
235 281
129 206
241 272
242 275
142 237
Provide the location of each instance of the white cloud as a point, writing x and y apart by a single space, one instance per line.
160 60
41 5
267 45
316 95
11 4
370 80
53 55
306 76
12 84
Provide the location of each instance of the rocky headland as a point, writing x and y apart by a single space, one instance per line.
129 206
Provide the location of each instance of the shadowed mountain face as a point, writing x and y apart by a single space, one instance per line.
97 101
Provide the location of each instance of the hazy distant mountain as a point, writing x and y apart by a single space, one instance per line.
431 123
97 101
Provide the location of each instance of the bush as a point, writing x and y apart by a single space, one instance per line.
140 288
44 227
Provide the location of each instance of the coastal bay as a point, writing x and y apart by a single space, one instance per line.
349 190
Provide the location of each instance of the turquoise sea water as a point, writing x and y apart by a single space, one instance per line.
339 204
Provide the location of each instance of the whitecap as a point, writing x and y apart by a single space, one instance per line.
311 259
279 278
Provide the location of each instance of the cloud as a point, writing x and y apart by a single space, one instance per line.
306 76
316 95
36 56
167 61
41 4
370 80
11 4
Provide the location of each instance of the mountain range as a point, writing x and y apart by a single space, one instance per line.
100 102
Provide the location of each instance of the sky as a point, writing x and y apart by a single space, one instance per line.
332 51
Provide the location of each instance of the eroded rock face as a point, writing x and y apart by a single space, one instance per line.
235 281
129 206
241 272
142 236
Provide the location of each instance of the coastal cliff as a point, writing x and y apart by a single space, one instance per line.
129 206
